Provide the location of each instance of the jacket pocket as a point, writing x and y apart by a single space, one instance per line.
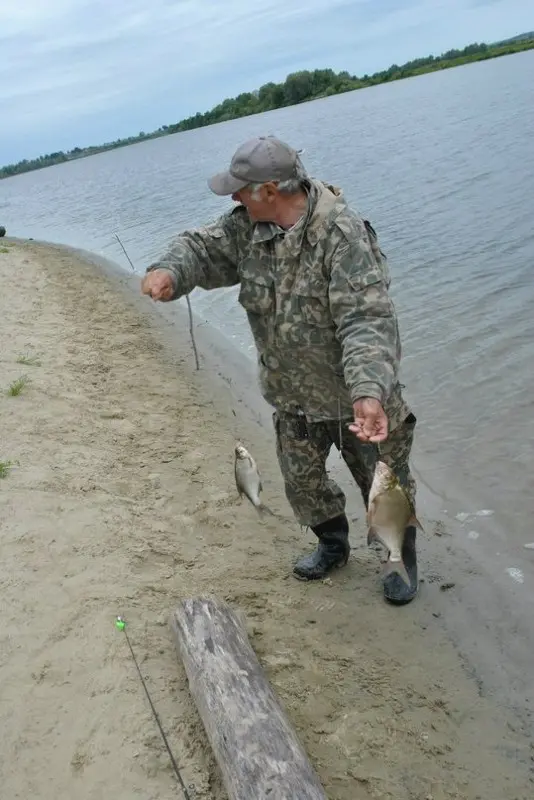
310 320
256 295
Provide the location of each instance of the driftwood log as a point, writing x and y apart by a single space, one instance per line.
258 753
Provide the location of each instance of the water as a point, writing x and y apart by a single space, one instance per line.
443 165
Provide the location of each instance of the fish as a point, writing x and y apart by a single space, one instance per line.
248 479
390 512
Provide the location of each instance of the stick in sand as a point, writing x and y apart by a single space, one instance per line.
191 330
195 351
125 253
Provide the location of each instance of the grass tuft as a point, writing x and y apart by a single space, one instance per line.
31 361
5 467
17 386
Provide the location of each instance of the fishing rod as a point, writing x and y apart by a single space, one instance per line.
189 310
121 626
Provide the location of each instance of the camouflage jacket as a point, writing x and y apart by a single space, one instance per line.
316 298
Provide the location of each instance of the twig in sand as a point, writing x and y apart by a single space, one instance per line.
195 351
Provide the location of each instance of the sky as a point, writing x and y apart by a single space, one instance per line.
81 72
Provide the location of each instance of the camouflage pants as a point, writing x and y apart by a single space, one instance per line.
303 447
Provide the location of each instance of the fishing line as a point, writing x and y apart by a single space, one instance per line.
189 309
340 427
121 626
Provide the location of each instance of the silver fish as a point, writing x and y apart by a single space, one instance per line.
248 479
390 512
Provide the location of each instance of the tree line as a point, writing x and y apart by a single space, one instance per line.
298 87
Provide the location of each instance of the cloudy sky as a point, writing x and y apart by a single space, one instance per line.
80 72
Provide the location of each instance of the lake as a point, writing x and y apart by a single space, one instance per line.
443 166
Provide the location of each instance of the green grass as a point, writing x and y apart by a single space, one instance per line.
5 468
31 361
4 249
17 386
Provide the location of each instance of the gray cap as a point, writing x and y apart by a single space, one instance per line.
260 160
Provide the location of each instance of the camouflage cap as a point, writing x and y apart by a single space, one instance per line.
259 160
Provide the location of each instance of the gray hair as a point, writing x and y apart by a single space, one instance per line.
291 186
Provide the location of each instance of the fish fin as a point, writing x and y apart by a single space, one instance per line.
368 517
237 486
398 567
415 522
371 535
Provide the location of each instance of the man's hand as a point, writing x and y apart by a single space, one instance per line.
370 421
158 284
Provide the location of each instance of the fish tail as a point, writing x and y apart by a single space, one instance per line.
265 510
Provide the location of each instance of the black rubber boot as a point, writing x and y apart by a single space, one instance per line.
332 551
395 589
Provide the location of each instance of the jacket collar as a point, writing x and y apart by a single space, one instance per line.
324 203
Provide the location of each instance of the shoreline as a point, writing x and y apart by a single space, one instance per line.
115 511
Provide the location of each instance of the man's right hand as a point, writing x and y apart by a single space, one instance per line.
158 285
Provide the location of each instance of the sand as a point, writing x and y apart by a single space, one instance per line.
121 501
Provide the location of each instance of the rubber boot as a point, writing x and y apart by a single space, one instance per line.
332 551
395 589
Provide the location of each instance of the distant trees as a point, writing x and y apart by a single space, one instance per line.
298 87
305 85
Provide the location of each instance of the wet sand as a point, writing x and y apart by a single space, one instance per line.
122 501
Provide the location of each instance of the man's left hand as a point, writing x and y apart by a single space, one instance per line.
370 420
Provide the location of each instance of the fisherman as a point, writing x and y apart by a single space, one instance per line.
314 284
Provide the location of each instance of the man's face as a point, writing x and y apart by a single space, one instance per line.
261 207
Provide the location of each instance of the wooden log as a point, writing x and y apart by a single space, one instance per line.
259 755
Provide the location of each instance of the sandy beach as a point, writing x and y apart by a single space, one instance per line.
120 501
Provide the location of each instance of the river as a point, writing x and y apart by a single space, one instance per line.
443 166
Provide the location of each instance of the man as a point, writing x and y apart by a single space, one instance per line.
314 284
